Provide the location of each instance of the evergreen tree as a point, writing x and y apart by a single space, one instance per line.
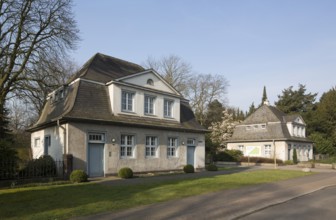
5 133
296 101
322 123
264 97
214 113
295 159
251 110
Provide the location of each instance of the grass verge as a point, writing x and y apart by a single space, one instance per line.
66 201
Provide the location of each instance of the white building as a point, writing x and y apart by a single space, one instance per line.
268 132
114 114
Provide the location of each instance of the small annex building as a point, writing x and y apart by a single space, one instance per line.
112 114
269 132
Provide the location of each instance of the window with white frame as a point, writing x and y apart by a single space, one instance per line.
168 108
127 100
149 105
151 146
127 146
37 142
267 150
172 147
241 148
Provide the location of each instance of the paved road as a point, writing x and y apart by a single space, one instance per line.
227 204
318 205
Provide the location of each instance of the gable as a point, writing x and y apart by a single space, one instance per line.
299 120
151 80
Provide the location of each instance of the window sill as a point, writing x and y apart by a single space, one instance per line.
169 118
125 158
128 112
151 157
150 115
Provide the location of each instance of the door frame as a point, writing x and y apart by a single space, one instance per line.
191 143
91 141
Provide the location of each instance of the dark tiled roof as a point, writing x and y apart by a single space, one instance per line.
88 101
103 68
265 114
276 128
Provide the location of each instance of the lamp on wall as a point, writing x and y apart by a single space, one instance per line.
113 140
182 142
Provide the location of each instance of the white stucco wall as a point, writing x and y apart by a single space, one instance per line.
138 104
141 80
78 146
281 150
57 142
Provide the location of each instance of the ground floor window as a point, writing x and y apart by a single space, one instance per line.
127 146
151 146
172 147
267 150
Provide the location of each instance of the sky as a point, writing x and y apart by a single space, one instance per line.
252 43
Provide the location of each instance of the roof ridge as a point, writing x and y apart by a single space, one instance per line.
84 68
115 58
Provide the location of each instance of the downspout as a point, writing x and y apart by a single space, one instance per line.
275 164
64 137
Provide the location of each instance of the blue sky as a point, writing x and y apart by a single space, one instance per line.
253 43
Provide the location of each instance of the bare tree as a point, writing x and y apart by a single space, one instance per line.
173 69
204 89
47 76
29 31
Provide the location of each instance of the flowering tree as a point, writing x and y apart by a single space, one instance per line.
223 130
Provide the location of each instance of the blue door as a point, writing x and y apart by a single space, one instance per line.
190 155
96 159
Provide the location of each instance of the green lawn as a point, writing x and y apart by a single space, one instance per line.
65 201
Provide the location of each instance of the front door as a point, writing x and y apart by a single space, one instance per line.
96 159
191 155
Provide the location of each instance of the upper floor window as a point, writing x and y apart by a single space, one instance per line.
172 147
150 82
127 145
127 101
168 108
151 146
149 105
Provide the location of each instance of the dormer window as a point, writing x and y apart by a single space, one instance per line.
150 82
127 101
168 108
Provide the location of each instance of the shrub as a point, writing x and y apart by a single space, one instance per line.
125 173
229 155
211 167
41 167
260 160
295 160
189 168
8 160
78 176
289 162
